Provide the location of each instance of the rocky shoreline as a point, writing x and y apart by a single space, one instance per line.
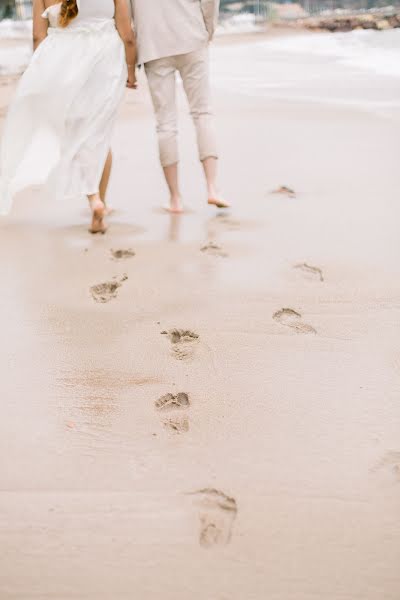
350 22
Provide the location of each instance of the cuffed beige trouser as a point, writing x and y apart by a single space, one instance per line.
161 76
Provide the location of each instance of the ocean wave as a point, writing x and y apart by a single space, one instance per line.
13 61
15 46
377 51
241 23
15 30
374 51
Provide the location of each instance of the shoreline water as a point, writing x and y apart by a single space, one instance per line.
367 50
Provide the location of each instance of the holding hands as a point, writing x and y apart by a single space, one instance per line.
131 81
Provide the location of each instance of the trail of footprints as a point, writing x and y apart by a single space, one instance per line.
108 290
217 511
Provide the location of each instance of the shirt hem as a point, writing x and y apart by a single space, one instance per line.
150 58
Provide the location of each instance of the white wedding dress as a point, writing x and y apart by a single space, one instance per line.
58 128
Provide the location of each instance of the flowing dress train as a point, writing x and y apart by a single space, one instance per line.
58 129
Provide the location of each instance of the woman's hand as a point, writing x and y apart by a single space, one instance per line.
132 82
124 27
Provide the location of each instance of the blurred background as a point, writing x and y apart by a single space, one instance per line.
257 9
378 53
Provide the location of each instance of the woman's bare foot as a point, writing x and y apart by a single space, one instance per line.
98 213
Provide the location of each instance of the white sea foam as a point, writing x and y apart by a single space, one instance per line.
241 23
15 46
377 51
14 60
360 69
15 29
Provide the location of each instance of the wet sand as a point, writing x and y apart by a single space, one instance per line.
255 453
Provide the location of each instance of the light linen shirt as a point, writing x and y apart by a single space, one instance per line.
171 27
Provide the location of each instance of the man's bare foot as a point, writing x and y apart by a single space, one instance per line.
218 202
98 213
175 206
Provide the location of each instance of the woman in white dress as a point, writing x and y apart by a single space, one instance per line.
58 128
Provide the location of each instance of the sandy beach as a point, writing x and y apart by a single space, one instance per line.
207 406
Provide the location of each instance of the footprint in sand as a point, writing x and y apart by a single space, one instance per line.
104 292
177 424
174 403
226 222
391 461
292 319
122 254
284 190
310 271
217 514
183 342
213 250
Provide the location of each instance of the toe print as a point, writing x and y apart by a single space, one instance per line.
183 342
173 401
177 336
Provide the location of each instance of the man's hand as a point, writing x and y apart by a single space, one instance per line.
132 82
210 10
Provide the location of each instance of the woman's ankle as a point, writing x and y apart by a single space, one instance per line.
95 199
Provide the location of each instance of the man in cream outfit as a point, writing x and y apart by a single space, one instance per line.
173 36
